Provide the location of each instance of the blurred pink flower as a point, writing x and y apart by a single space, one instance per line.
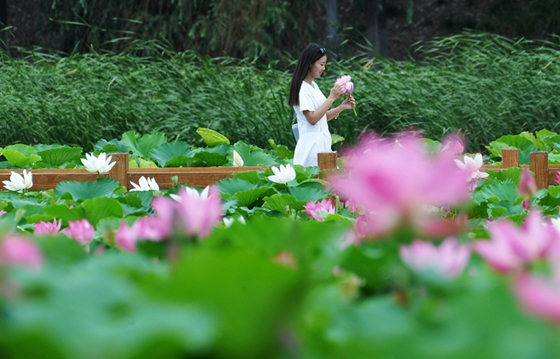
320 209
454 143
125 238
190 213
393 180
511 247
155 228
18 251
448 260
81 231
47 228
527 187
2 212
540 295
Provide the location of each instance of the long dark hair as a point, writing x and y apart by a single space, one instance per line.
310 54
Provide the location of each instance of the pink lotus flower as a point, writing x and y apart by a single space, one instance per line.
393 182
348 85
2 212
191 213
320 209
527 187
47 228
472 166
18 251
448 260
126 238
81 231
511 247
540 295
454 143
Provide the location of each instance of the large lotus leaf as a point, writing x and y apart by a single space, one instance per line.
211 159
102 207
60 212
260 296
87 190
143 145
20 155
309 192
254 177
283 203
254 156
283 152
550 139
112 298
249 197
233 185
58 249
168 151
57 155
211 137
495 192
513 174
137 202
524 145
554 156
16 200
113 146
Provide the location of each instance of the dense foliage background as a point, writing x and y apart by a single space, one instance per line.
484 85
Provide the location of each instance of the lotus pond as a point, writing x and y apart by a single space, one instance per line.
409 249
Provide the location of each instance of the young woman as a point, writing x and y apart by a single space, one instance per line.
312 107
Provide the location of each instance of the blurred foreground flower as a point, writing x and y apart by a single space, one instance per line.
283 174
237 160
191 214
81 231
448 260
144 184
511 247
527 188
47 228
393 182
100 164
18 251
321 209
18 182
540 294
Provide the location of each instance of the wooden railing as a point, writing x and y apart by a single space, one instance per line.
44 179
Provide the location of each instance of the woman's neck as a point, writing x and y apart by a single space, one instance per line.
308 78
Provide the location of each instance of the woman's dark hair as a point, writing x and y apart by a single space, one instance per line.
310 54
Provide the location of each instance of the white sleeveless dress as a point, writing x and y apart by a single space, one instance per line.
312 138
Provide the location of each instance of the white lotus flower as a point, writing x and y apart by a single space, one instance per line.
472 166
100 164
144 184
228 221
237 160
191 192
18 182
283 175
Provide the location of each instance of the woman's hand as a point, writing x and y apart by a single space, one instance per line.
348 103
336 92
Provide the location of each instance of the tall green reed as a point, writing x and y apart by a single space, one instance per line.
482 85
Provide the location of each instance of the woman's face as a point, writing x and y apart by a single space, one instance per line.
316 69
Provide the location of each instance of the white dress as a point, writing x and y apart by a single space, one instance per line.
312 138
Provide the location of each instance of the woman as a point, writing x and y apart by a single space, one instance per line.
312 107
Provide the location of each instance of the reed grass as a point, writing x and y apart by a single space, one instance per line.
483 85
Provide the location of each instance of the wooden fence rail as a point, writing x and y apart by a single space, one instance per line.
44 179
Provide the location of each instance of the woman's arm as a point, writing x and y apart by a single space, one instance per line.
315 116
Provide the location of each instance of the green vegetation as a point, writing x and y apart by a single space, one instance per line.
483 85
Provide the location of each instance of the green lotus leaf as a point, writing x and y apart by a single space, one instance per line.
520 142
309 192
170 151
283 203
254 156
20 155
102 207
250 176
61 212
211 159
113 146
143 145
233 185
86 190
57 155
249 197
211 137
283 152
